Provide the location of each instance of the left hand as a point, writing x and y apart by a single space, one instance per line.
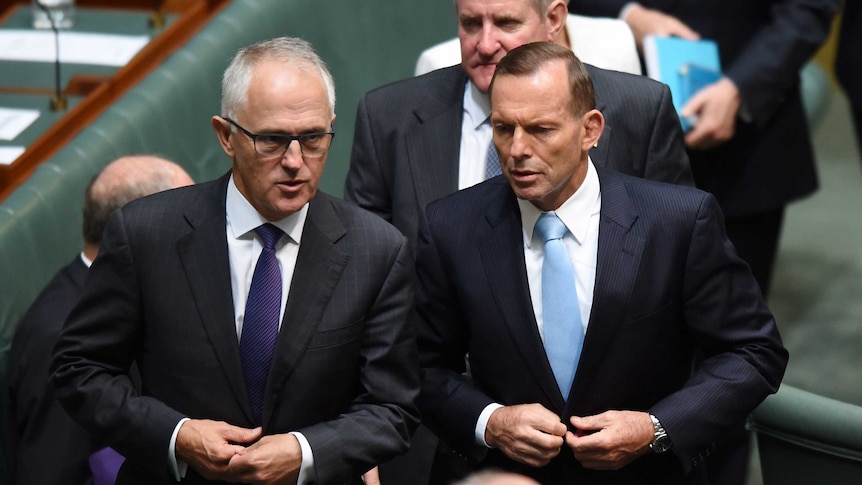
716 107
274 459
610 440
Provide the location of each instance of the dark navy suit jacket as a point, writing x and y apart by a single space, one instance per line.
668 283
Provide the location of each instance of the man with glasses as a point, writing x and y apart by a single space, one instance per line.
268 319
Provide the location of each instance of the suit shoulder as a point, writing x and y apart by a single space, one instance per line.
173 201
354 217
468 202
655 193
406 91
606 80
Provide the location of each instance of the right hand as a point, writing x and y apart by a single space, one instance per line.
526 433
646 21
207 446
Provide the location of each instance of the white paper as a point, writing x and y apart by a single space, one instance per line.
75 47
9 154
13 121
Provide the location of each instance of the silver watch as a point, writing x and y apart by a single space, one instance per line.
661 442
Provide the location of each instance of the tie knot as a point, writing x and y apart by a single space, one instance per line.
269 235
550 227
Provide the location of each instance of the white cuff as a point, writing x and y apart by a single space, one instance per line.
482 423
178 467
306 469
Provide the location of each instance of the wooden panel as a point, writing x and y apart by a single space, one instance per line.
99 92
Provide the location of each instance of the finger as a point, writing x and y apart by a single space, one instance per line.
236 434
588 423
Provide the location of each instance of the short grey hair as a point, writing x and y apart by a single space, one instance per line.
540 5
291 50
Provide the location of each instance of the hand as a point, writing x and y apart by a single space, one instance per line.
715 107
610 440
275 459
207 446
526 433
371 477
645 21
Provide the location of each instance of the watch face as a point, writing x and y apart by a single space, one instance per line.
661 445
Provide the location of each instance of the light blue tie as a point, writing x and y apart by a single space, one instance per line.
492 162
564 333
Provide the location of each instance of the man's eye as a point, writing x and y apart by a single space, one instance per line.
503 129
270 140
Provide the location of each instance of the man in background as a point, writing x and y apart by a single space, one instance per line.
604 42
45 444
425 137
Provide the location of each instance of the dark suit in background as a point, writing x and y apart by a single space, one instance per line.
39 429
45 444
848 61
769 162
408 134
667 282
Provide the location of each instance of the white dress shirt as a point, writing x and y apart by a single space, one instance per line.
243 252
581 215
476 135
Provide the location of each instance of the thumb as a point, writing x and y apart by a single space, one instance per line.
586 423
236 434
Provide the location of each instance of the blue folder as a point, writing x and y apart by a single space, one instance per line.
685 66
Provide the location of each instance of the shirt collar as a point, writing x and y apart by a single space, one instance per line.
575 211
242 218
477 105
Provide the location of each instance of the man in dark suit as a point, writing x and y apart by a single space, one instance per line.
848 62
653 280
423 138
310 377
45 445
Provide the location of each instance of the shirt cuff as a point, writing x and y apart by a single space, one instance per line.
178 467
306 469
482 423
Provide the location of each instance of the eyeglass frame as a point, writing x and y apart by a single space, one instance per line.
289 138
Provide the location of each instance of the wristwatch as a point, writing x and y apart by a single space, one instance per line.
661 442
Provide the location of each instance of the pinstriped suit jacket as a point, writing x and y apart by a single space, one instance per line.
344 371
668 282
408 135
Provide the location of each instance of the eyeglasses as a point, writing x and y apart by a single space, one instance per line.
271 145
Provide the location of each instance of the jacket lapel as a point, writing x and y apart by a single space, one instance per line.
502 252
204 256
433 145
619 255
319 266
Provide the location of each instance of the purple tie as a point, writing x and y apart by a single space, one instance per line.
260 324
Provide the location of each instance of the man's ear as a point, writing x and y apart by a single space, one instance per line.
556 16
593 125
223 132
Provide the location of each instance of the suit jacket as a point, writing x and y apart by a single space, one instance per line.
668 282
408 136
603 42
344 368
45 445
762 46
